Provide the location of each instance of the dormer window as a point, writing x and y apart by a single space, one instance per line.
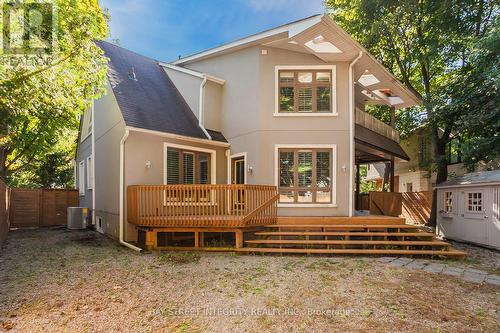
308 91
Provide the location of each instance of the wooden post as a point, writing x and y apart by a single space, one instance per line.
358 179
239 239
392 175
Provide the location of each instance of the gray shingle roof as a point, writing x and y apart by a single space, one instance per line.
482 177
146 96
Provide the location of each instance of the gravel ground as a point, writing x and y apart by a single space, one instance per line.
60 281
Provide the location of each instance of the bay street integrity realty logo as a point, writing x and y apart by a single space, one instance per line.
28 31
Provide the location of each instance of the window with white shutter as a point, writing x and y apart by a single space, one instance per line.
187 167
305 91
305 175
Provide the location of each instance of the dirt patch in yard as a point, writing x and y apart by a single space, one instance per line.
56 280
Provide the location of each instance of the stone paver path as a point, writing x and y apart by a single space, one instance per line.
468 274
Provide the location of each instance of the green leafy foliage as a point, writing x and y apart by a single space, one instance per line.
429 45
40 104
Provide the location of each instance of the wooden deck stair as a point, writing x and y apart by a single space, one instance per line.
368 239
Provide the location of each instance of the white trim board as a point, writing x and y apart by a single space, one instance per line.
333 147
291 29
213 159
194 73
332 68
230 165
81 178
90 175
177 136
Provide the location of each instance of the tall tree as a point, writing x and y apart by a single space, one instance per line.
424 43
42 98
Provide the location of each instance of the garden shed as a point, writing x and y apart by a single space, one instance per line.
469 208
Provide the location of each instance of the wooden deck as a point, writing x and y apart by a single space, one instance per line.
220 205
243 218
355 239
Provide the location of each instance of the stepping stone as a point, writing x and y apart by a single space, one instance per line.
417 264
386 259
434 268
473 277
493 279
453 271
476 271
399 262
405 260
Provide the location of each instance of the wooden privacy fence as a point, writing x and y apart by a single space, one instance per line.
4 211
201 205
417 207
40 207
386 203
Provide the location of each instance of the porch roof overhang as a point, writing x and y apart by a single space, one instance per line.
320 36
371 147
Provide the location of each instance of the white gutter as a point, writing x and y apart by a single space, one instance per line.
351 131
122 193
200 114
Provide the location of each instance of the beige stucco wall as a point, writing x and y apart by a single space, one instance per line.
109 130
249 124
142 147
188 86
212 99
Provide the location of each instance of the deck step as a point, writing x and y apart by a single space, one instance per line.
357 234
344 226
345 242
453 253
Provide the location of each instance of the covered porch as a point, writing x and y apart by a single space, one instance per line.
377 142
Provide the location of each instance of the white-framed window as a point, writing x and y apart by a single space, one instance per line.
81 178
189 165
474 202
305 175
448 202
305 90
86 129
90 173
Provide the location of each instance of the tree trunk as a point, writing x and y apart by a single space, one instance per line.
3 161
439 146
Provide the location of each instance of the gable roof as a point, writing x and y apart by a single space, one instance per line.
473 179
304 36
146 96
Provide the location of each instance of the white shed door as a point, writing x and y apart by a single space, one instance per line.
493 216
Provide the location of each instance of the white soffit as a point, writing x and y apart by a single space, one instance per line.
368 80
320 45
387 95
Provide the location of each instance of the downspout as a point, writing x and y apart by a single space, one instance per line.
93 163
351 131
200 114
122 193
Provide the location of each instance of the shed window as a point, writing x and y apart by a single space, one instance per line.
448 202
305 175
474 202
305 91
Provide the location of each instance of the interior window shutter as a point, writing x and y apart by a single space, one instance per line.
204 169
188 159
172 167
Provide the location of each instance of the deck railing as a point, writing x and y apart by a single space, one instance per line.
201 205
366 120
